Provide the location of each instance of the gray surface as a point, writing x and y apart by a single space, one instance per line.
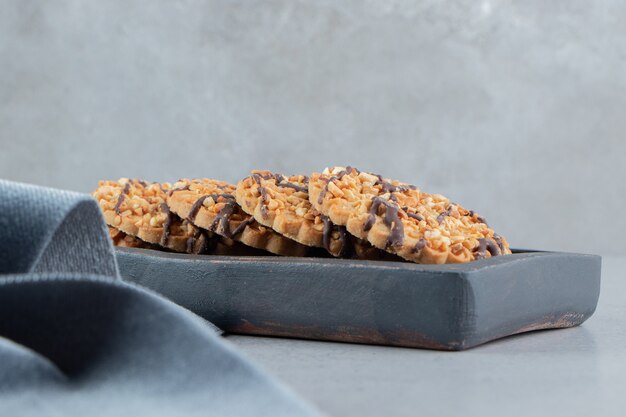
571 372
514 109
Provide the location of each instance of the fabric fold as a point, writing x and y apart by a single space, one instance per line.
49 230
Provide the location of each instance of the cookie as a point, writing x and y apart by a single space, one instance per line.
121 239
401 219
211 205
282 203
139 209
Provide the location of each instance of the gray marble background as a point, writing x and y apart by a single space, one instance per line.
514 109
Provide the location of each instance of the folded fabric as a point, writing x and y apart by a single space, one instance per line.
77 340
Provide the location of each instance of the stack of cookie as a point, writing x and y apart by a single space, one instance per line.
341 212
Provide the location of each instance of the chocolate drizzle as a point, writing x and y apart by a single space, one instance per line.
334 178
388 187
242 226
257 178
412 215
191 242
268 176
442 216
421 244
480 218
221 223
391 220
173 190
207 243
121 197
485 245
167 226
163 190
498 240
297 187
195 208
320 198
329 227
282 182
221 220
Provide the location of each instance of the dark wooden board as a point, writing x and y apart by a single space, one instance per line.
448 307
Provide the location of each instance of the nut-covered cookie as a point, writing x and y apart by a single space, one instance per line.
210 205
401 219
282 203
139 209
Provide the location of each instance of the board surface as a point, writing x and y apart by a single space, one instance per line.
447 307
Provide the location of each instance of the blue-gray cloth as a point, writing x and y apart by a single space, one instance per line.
75 340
